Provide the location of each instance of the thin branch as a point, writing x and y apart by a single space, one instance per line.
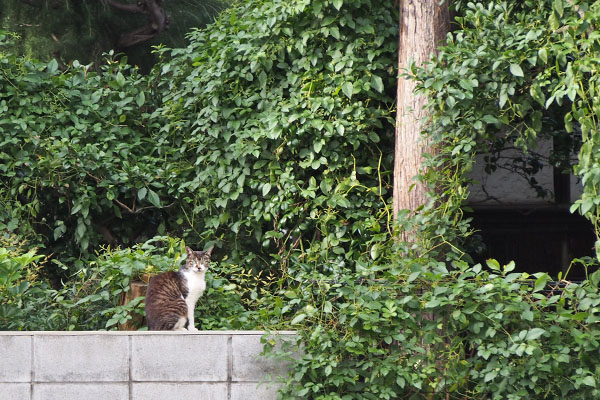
134 8
158 21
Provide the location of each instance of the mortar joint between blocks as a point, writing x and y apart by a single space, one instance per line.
229 365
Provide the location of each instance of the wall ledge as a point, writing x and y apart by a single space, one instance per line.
136 333
138 365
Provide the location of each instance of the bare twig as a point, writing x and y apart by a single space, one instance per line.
158 21
134 8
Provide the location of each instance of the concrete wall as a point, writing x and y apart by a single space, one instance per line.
504 187
136 366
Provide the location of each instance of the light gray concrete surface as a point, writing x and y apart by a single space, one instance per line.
180 391
252 391
186 358
93 358
15 359
212 365
247 363
15 391
82 391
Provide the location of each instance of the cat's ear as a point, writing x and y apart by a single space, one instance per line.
189 251
209 251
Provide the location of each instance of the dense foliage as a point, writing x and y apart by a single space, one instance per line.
74 146
513 75
93 297
270 136
279 132
424 331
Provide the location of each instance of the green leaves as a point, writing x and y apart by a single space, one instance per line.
543 55
540 282
516 337
140 99
142 193
83 135
516 70
266 189
263 132
348 89
153 198
377 83
298 318
52 66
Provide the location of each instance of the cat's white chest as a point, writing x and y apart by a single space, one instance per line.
196 285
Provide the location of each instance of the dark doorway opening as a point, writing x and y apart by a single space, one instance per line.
536 238
519 205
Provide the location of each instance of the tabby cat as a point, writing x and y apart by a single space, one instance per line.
172 296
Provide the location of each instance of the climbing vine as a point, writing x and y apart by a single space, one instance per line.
515 74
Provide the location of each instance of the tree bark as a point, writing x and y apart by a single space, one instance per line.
158 21
423 25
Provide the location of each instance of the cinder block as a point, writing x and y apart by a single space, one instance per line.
15 391
15 356
179 391
80 391
179 358
251 391
248 363
89 358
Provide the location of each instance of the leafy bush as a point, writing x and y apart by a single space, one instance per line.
278 128
93 297
271 132
235 298
76 162
25 297
513 74
421 330
270 135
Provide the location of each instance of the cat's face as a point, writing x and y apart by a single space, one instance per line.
197 261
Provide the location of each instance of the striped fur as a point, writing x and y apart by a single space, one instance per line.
172 296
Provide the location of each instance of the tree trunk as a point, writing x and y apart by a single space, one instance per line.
423 25
136 289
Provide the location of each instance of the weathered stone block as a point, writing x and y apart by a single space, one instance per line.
15 391
179 358
81 358
179 391
248 363
81 391
248 391
15 356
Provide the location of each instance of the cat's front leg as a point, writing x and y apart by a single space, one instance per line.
191 326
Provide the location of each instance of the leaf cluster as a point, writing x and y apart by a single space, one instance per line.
419 330
77 166
278 121
509 77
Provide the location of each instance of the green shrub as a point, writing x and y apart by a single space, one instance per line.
77 165
270 135
279 130
433 332
25 296
92 298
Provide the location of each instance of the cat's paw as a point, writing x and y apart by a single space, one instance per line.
193 329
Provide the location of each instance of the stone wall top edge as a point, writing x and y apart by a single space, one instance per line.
141 333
